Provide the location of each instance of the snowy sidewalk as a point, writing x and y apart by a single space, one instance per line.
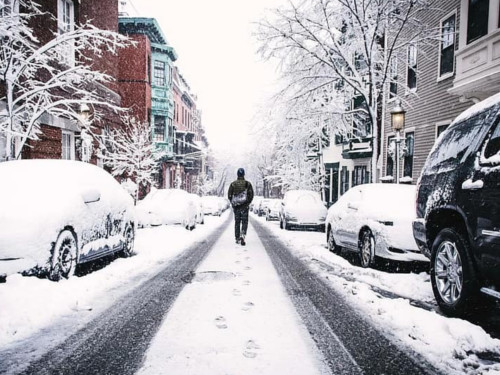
234 318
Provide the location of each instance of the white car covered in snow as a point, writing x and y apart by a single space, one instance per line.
56 214
212 205
374 220
302 209
167 206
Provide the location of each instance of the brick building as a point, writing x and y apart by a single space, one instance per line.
60 137
150 71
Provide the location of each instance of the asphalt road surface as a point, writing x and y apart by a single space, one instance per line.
115 342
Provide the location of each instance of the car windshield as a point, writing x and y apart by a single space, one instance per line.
455 144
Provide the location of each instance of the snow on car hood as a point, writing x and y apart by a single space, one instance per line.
39 198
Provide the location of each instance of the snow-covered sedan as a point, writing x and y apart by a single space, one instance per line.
374 220
273 211
212 205
167 206
55 214
302 209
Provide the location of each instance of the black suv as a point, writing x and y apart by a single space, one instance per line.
458 210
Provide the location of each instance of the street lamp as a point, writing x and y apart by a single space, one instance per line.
398 124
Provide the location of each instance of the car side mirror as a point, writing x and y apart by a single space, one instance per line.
353 205
91 196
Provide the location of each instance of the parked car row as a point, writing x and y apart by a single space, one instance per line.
456 224
79 213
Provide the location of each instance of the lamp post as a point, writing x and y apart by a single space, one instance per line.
398 124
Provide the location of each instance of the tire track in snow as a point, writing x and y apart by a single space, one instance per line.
115 343
348 342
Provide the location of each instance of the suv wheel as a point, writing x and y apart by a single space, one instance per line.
453 277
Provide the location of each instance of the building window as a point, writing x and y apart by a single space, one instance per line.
68 146
159 73
447 47
3 147
360 175
393 76
440 129
160 129
408 158
477 21
344 180
66 24
390 156
411 71
9 7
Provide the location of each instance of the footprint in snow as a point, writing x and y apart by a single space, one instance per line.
237 262
251 349
220 322
248 268
247 258
247 306
236 292
246 282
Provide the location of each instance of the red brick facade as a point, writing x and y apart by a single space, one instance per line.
134 77
104 15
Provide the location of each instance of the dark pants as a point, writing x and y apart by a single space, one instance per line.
240 219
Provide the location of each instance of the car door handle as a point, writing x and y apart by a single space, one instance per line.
472 185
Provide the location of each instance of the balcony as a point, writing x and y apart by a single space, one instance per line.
357 148
478 68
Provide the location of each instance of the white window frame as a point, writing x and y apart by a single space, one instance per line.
408 89
71 145
439 124
393 60
452 73
67 51
13 6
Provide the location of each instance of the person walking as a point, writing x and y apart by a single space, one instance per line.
240 195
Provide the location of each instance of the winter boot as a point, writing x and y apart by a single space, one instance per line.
242 241
238 241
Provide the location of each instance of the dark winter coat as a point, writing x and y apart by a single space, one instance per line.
239 186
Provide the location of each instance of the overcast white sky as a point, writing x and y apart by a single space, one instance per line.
218 57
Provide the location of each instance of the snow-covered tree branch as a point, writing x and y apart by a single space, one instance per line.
53 78
130 153
345 47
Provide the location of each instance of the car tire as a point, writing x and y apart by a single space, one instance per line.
128 244
63 260
366 245
453 277
332 245
286 225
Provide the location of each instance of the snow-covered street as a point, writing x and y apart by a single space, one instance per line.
234 314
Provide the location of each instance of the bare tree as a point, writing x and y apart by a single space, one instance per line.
345 47
130 153
54 78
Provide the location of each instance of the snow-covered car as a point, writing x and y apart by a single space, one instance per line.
56 214
374 220
302 209
200 215
167 206
273 211
263 206
212 205
254 206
